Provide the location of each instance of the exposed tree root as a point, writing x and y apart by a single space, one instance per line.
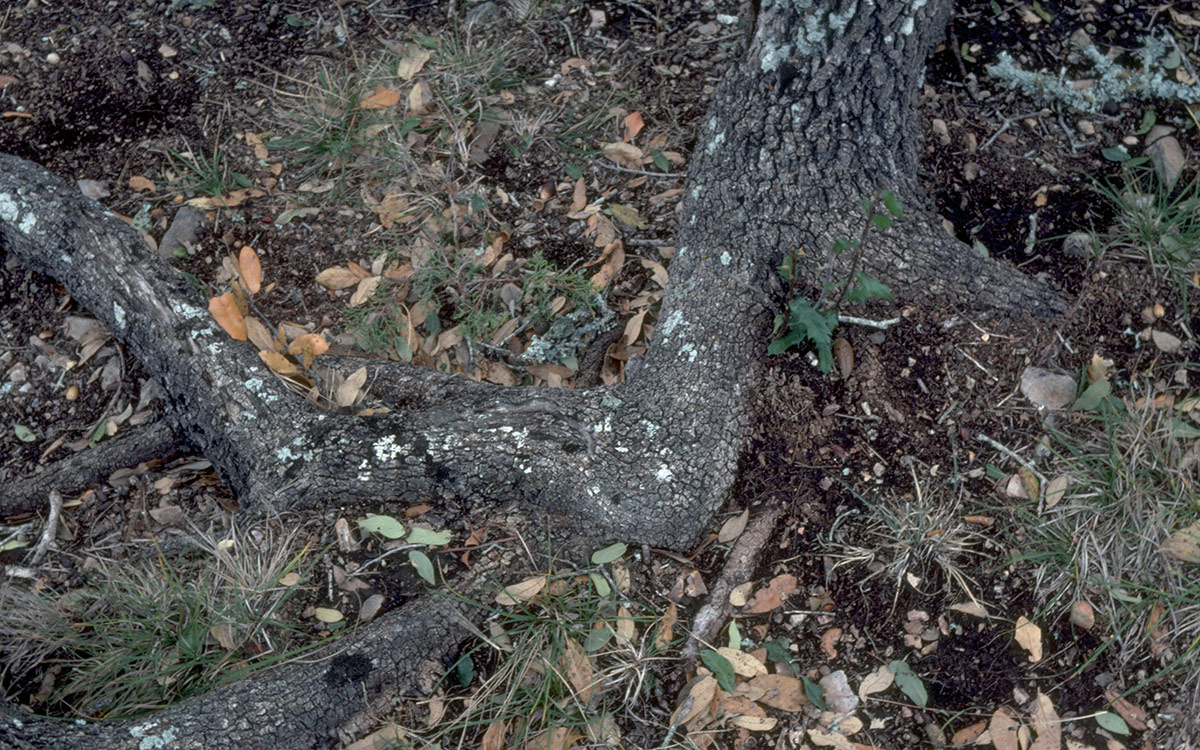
739 568
76 473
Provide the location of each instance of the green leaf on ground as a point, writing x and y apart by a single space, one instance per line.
418 535
720 667
609 553
1112 722
813 692
384 526
424 566
909 683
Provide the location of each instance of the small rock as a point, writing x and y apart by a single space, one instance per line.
1166 342
183 232
942 131
1047 390
1082 615
94 189
1167 157
168 515
839 698
1086 127
1077 245
53 58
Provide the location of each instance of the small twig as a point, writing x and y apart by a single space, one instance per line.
1026 464
618 168
858 249
51 529
882 325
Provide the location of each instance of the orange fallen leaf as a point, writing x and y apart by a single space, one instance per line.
224 310
666 626
308 346
138 183
633 125
250 269
381 99
828 640
773 595
623 154
781 692
279 363
337 278
260 335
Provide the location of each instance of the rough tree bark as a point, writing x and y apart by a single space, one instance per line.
819 115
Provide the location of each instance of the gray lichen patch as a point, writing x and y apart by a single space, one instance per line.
149 741
10 211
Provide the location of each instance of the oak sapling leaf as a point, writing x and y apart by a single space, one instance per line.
721 669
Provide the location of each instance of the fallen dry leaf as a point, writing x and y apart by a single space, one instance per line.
420 99
1134 716
382 98
348 392
754 723
733 527
843 354
139 184
773 595
969 734
260 335
520 592
580 672
381 739
699 697
876 682
1004 730
666 626
828 639
781 692
414 59
279 363
1166 342
1056 490
337 278
822 737
743 664
366 288
1046 724
224 309
250 269
624 154
741 594
493 738
633 125
1082 615
975 609
1184 544
1029 637
307 347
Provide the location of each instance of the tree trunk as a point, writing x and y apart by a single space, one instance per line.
819 116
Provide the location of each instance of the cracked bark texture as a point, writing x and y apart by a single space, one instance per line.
819 115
